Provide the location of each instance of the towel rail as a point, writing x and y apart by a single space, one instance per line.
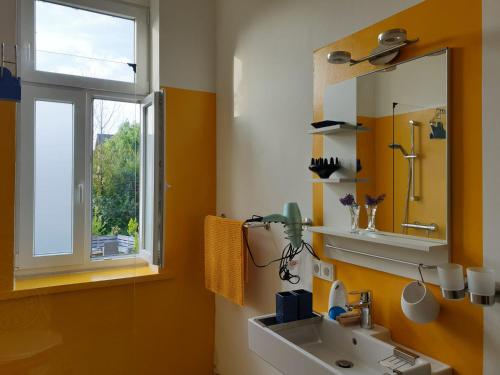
430 227
418 265
257 224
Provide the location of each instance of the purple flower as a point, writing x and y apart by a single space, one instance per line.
373 201
348 200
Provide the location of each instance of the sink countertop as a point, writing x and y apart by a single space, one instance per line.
313 346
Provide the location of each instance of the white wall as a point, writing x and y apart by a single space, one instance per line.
154 64
263 153
415 85
491 174
8 26
187 44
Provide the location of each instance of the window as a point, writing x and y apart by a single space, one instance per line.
105 50
85 43
50 176
89 170
54 178
115 178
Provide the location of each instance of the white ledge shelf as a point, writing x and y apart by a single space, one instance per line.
338 129
337 180
385 238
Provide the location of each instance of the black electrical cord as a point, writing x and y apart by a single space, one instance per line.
287 255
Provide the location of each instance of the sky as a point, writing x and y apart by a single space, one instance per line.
84 43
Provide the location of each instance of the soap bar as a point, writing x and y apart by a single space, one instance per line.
349 318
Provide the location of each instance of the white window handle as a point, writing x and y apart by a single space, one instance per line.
80 193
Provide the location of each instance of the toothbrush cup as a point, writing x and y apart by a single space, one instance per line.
418 303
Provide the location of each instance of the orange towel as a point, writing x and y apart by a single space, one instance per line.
225 258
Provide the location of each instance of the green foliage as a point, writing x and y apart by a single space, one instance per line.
132 227
115 180
133 230
136 242
98 225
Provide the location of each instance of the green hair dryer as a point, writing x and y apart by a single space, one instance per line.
292 220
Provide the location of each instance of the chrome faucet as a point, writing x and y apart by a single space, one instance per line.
365 307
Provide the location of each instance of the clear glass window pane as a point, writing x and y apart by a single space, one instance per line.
54 182
115 179
83 43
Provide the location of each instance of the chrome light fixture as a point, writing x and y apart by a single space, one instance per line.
390 43
392 37
339 57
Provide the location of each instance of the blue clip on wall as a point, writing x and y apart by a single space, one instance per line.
10 85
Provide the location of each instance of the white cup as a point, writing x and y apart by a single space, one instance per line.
418 303
481 281
451 276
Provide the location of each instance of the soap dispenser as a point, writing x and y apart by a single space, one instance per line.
338 300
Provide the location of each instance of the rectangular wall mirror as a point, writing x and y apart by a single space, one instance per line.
405 152
395 142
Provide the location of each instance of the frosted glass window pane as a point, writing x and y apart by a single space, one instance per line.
84 43
53 216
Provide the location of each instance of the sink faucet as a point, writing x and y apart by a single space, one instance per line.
365 307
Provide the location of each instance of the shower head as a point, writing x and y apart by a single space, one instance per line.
397 146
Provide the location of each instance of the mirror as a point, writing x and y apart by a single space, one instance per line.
404 149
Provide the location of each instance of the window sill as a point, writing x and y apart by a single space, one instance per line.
60 283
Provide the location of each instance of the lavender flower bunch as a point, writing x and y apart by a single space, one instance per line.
373 201
348 200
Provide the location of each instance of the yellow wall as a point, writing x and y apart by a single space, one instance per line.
430 174
158 327
376 160
387 172
456 337
7 195
365 151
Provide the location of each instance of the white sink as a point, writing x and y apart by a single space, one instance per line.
313 347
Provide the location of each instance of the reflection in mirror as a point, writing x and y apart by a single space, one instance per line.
405 154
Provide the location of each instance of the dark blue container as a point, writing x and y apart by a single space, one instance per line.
305 303
286 307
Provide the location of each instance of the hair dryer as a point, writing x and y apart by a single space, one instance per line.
292 220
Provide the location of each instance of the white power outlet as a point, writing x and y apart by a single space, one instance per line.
327 271
316 267
323 270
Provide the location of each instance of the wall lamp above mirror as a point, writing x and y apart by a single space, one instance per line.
390 43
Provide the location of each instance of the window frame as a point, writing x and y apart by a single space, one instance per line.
26 262
26 176
85 89
155 255
27 42
89 134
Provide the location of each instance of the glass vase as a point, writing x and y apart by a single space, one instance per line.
354 211
371 212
